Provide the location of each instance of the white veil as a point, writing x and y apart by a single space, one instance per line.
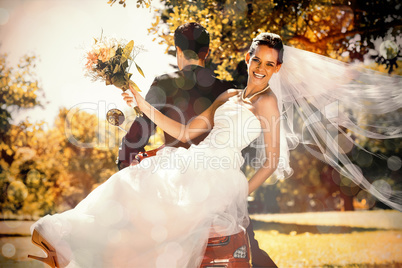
331 96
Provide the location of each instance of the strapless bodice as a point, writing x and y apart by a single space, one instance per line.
235 127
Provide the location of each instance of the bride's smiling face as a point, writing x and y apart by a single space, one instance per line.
262 64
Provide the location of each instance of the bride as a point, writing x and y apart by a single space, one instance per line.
161 212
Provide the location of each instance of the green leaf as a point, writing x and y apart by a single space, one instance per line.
127 49
139 69
124 65
134 85
119 81
128 76
123 59
116 69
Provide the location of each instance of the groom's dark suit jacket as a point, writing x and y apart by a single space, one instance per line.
181 96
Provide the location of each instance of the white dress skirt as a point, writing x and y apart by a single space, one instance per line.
161 212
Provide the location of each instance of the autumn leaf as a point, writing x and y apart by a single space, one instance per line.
127 76
119 81
127 51
139 69
116 69
134 86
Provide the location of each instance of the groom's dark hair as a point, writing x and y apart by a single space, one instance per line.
193 40
271 40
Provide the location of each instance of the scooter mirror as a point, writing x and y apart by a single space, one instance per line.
115 117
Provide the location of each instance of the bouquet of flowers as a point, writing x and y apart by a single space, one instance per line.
109 60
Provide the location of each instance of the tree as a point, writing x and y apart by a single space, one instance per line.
19 90
140 3
52 168
325 27
28 182
87 153
46 170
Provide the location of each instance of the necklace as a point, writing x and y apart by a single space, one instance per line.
248 99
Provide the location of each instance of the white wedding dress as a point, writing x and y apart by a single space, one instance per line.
161 212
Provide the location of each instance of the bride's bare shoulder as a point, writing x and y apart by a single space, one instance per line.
223 97
266 104
232 92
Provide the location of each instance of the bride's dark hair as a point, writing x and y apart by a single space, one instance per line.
271 40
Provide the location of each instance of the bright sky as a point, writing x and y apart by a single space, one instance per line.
59 32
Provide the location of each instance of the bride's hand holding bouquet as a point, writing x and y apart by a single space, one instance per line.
110 60
133 97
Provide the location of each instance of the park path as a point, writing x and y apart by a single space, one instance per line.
15 228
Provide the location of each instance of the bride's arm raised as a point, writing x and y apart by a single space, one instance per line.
184 133
267 111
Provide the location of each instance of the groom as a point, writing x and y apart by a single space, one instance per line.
182 95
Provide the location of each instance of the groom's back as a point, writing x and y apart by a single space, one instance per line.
185 94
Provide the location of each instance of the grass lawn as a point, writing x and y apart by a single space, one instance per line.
332 239
370 239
